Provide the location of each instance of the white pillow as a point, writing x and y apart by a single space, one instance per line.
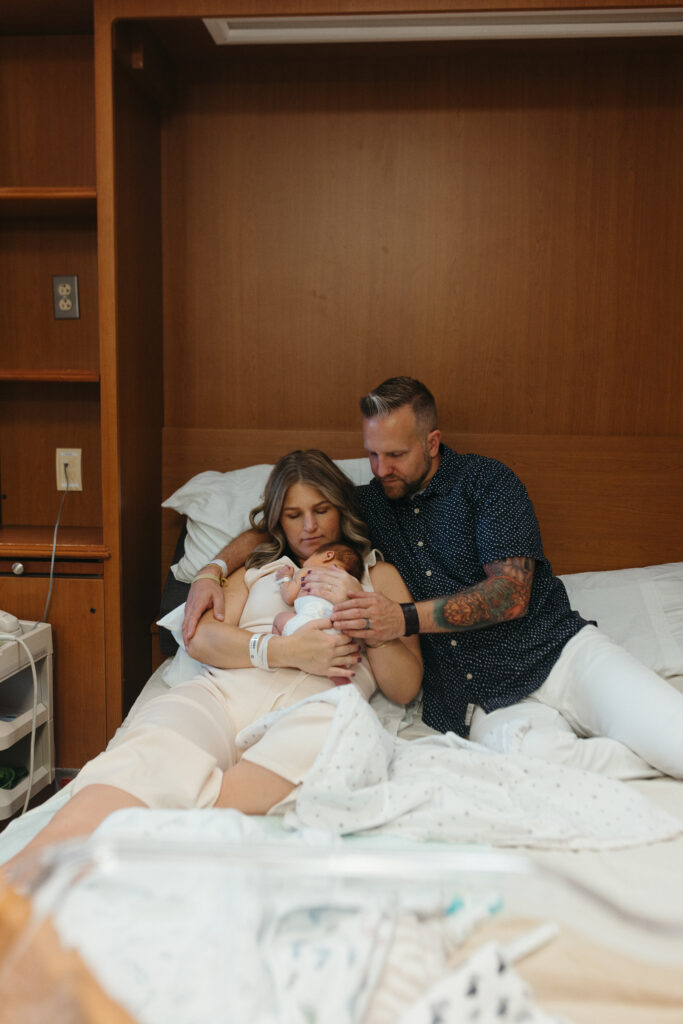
642 609
217 507
181 667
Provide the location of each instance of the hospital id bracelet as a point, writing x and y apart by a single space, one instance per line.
208 576
262 651
223 566
253 648
411 618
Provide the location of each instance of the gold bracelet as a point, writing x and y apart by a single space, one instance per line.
208 576
375 647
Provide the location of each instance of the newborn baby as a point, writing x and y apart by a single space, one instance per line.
306 607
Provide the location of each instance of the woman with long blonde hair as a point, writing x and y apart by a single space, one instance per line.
180 749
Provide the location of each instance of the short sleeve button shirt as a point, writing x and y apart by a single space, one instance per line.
473 511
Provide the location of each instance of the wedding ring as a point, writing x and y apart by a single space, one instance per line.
367 623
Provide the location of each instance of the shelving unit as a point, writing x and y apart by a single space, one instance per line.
16 713
50 369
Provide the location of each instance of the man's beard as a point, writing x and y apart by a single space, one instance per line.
401 488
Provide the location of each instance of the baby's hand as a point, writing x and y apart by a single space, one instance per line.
279 622
283 574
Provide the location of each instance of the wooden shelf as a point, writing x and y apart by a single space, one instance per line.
18 203
36 542
58 376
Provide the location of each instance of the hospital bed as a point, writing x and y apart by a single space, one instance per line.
184 916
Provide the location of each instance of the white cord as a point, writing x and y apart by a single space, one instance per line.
18 640
54 542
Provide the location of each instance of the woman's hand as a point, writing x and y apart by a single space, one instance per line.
333 584
313 650
371 617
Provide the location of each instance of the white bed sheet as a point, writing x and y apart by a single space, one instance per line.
644 879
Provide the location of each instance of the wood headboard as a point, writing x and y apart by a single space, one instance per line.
603 502
494 220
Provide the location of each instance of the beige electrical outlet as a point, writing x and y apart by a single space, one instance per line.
71 458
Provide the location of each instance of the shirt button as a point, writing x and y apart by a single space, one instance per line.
468 676
416 510
420 543
429 572
454 643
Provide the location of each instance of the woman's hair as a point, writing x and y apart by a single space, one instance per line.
311 467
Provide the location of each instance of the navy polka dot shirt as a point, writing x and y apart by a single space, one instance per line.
473 511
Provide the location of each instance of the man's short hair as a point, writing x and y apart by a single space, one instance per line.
347 555
396 392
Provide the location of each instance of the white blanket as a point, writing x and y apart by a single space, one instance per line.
178 925
446 788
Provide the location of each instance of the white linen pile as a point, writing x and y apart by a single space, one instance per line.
446 788
175 929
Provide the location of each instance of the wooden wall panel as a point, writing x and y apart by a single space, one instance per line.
31 253
35 420
602 502
503 226
47 107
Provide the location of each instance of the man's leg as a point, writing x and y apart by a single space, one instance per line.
537 730
602 690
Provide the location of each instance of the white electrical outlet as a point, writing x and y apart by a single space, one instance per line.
71 458
65 297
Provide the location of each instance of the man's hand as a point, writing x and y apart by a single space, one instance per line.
203 595
316 651
333 584
371 617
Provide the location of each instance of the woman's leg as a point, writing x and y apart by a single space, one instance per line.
172 754
249 788
276 763
77 818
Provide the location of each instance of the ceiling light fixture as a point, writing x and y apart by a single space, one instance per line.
656 21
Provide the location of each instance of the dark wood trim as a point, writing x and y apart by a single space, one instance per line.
56 376
27 203
36 542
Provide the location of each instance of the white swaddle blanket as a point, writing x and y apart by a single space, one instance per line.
447 788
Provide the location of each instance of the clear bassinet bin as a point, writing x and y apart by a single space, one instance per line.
117 930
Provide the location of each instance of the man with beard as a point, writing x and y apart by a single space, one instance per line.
507 662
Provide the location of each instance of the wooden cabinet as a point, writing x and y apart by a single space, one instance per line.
94 382
49 370
77 616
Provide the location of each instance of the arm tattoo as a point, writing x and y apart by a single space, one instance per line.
502 596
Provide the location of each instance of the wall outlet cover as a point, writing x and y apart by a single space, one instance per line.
71 457
65 297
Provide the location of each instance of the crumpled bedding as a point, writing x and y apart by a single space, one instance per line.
175 927
446 788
